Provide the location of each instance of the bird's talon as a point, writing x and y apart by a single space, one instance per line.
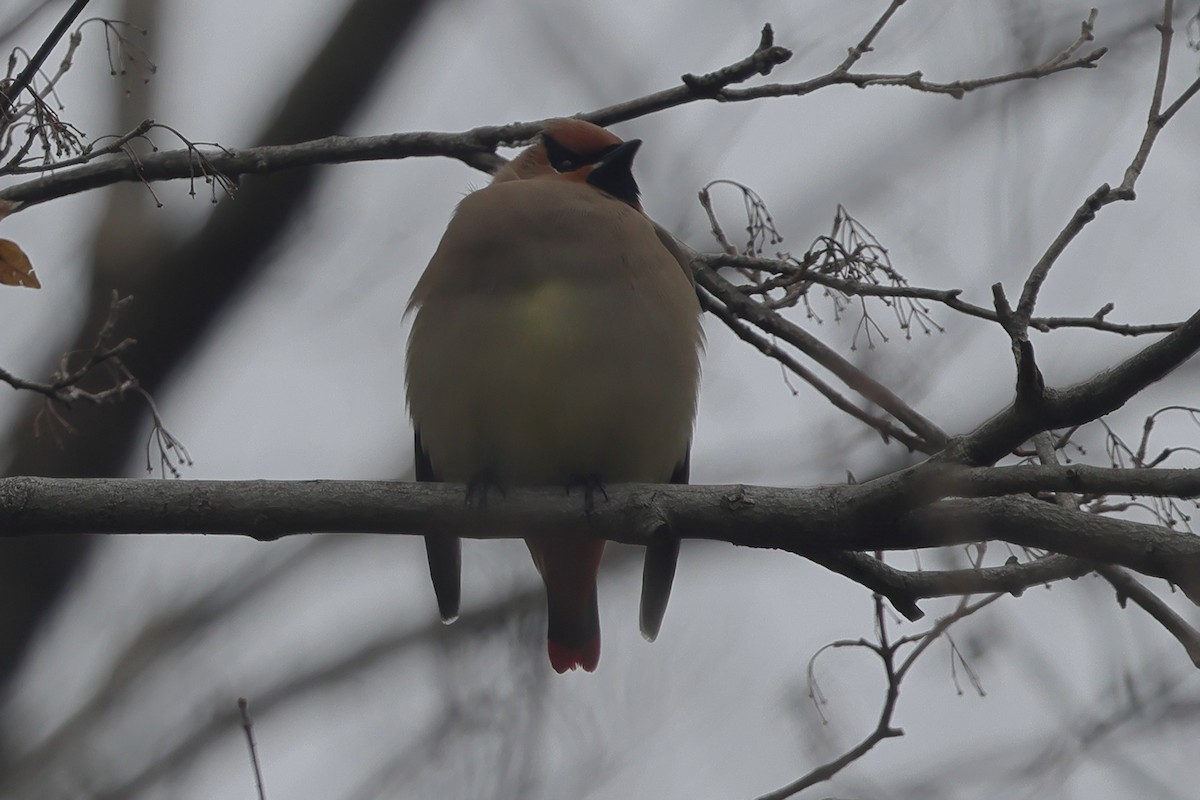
479 487
590 485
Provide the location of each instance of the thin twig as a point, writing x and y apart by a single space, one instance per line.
117 145
64 385
951 298
916 80
1105 194
864 46
22 81
894 673
248 727
883 728
772 322
887 429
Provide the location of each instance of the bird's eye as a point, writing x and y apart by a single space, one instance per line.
561 159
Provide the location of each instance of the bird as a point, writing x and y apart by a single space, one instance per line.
556 341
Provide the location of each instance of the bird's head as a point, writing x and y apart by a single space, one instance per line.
574 150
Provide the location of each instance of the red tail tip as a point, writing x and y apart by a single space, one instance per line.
564 658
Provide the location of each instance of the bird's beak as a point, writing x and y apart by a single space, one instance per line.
621 156
614 172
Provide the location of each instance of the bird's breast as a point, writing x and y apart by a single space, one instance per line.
554 338
556 381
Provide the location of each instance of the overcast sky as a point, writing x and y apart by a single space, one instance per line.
303 379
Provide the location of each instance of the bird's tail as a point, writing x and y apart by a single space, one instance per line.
573 640
569 573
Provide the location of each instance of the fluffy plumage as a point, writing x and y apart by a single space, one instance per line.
556 342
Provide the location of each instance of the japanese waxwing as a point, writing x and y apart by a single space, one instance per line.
556 343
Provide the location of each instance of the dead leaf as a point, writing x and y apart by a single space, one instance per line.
15 269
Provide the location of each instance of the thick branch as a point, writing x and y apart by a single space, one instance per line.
904 588
1083 402
1078 478
1148 549
804 521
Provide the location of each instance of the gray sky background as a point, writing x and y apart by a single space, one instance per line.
303 379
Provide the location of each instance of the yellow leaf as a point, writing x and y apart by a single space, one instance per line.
15 269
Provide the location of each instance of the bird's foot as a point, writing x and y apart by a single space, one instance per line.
590 485
479 486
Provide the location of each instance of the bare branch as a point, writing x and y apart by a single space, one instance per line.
11 92
252 746
90 152
477 147
916 80
64 385
887 429
1080 403
1160 552
1105 194
894 674
904 588
864 46
1078 478
863 517
474 148
1130 588
1013 578
1155 120
772 322
883 728
1126 585
951 298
